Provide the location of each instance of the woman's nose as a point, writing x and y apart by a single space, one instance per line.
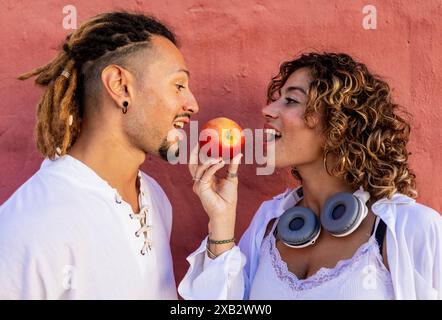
270 111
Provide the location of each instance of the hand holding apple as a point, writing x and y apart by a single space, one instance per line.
218 196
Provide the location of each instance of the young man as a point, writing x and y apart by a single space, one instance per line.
89 224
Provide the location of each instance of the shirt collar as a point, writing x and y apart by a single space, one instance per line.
75 169
289 198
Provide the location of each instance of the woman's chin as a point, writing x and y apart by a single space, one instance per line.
274 164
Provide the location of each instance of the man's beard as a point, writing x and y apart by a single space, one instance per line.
163 150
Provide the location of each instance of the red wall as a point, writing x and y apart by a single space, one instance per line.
232 49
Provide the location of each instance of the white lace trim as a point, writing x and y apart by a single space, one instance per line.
323 275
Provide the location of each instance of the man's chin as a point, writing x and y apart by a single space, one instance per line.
169 153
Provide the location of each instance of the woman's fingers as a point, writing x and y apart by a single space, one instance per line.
205 182
193 160
203 167
210 172
232 172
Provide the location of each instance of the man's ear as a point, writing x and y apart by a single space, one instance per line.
117 82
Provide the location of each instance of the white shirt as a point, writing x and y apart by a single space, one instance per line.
414 252
63 235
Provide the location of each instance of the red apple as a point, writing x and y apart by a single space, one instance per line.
221 137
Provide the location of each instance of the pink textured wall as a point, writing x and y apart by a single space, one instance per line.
232 49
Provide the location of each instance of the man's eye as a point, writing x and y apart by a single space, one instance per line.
291 101
180 87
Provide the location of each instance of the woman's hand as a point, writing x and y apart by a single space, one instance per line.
218 196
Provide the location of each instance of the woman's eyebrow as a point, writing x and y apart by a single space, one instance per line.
294 88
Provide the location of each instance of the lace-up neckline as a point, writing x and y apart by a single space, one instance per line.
91 178
144 216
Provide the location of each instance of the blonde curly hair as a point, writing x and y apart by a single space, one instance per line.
362 128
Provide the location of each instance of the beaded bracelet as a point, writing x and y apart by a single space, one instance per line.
220 241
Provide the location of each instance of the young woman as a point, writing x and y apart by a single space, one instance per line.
352 230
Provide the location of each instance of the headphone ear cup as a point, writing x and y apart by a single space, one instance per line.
298 227
342 214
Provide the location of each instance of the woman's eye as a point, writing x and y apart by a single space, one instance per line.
291 101
180 87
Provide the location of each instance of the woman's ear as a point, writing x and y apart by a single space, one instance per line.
117 82
312 121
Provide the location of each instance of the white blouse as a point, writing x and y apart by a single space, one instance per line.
66 234
362 277
413 240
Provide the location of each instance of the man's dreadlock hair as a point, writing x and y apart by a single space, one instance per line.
108 38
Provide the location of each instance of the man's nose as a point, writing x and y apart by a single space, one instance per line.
191 105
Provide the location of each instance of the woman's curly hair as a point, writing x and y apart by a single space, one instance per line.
362 128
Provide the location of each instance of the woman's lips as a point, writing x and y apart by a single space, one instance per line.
271 133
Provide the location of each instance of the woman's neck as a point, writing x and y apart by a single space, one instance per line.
318 186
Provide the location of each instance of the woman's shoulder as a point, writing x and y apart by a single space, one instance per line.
408 215
268 210
269 207
273 208
420 213
417 218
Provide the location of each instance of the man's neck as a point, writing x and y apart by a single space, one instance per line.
112 159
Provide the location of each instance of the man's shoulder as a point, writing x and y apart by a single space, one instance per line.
45 203
46 188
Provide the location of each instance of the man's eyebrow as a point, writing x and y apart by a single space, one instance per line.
185 71
294 88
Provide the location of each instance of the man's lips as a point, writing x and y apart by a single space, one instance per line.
180 122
